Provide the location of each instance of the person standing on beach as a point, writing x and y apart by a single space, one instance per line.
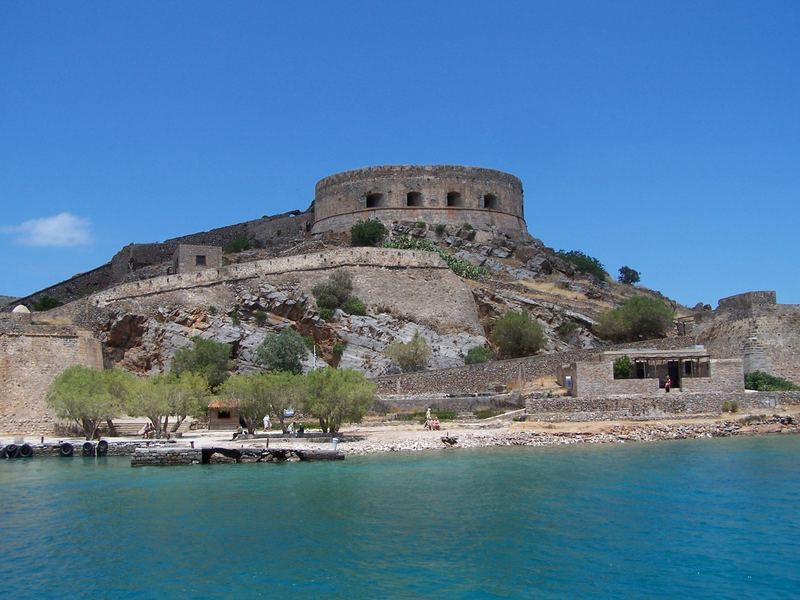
267 423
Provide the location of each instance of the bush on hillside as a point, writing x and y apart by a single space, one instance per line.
334 291
282 351
367 233
516 334
639 318
584 263
208 358
478 355
45 302
410 356
238 244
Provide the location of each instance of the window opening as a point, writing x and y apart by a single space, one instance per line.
375 200
413 199
200 260
454 199
489 201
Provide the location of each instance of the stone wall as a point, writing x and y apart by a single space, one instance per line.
747 301
166 457
483 377
31 356
276 231
439 194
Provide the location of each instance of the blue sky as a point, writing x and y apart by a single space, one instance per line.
663 136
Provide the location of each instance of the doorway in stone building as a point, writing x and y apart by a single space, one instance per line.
674 371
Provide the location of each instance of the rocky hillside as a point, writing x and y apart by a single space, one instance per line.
142 324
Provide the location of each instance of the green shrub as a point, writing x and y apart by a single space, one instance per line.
584 263
238 244
334 291
460 267
326 314
261 318
45 303
354 306
282 351
623 367
367 233
567 329
206 357
516 334
440 228
236 317
764 382
477 355
628 275
420 224
410 356
337 351
640 317
730 406
467 227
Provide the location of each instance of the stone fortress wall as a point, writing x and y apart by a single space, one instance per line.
435 194
32 354
753 326
279 230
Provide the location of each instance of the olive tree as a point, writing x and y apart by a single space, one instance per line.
282 351
336 396
87 397
208 358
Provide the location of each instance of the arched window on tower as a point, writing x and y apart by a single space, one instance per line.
454 199
375 200
413 199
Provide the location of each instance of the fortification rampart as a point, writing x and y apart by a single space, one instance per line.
483 198
31 356
320 261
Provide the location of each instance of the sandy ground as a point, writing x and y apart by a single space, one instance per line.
373 436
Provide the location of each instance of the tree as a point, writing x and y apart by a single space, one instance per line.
186 396
45 302
623 367
584 263
336 396
282 351
207 358
86 396
259 394
147 397
516 334
640 317
759 380
628 275
410 356
477 355
367 233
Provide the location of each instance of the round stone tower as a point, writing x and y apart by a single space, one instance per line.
436 194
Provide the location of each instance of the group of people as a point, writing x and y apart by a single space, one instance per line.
432 423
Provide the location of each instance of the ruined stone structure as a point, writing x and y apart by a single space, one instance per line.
691 370
191 258
32 355
435 194
754 327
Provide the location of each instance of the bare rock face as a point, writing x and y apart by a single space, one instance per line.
367 338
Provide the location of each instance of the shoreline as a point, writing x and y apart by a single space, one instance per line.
387 439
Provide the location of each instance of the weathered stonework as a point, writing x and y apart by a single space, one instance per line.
434 194
32 355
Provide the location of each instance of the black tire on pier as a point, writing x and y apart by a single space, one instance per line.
12 451
66 449
88 449
2 452
26 451
102 447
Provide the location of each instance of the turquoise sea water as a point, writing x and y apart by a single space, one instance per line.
708 518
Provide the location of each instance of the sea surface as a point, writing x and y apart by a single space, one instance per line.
717 518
